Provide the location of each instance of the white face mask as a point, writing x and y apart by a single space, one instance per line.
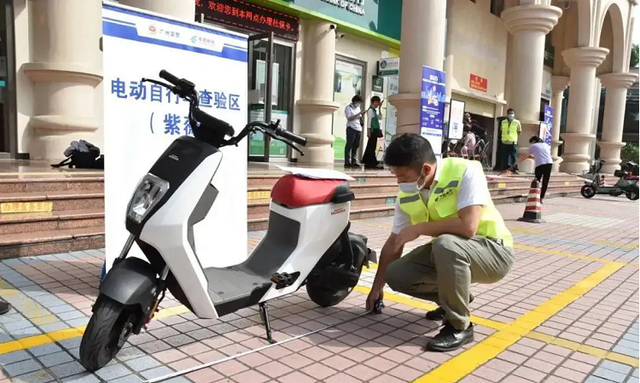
412 187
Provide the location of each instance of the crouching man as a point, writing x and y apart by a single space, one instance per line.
449 201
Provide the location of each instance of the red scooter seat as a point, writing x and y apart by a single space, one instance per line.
295 191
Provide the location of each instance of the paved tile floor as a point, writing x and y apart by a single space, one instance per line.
567 312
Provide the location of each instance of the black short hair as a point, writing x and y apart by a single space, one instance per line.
409 150
355 99
511 110
375 99
535 140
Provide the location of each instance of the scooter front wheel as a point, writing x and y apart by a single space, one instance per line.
588 191
109 328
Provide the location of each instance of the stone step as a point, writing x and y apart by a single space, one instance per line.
42 202
29 185
56 220
51 242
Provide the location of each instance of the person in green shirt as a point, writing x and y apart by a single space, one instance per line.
373 133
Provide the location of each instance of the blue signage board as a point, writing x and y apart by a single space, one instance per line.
548 119
432 101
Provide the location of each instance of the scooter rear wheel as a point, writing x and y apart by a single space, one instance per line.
632 195
324 297
588 191
109 328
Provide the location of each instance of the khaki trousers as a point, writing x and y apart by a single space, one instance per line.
442 272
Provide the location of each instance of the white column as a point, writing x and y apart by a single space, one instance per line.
558 85
66 68
316 105
529 25
583 62
616 85
180 9
427 17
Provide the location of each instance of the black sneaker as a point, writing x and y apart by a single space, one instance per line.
449 339
438 314
5 307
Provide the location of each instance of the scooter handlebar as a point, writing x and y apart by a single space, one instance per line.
169 77
291 137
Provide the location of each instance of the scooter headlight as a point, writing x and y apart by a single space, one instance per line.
150 190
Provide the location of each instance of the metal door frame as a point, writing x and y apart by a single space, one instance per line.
268 91
11 130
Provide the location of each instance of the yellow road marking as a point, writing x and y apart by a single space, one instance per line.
76 332
565 254
26 207
502 185
419 304
70 333
621 245
575 346
466 362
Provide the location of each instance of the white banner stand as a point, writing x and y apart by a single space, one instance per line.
141 120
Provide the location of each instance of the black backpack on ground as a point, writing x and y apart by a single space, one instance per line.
82 155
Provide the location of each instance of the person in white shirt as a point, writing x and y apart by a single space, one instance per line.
541 154
354 114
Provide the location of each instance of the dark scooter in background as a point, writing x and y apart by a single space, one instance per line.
627 183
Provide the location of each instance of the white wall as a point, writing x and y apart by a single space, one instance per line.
479 46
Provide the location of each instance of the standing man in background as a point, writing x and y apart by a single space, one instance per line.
510 129
354 114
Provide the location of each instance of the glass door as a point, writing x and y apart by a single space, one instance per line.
260 84
270 72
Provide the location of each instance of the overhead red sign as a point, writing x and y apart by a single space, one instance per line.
245 15
478 83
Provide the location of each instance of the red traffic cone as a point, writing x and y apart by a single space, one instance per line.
533 208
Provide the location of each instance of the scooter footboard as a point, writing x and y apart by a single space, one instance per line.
131 281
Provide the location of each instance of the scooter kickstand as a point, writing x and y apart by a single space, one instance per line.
264 313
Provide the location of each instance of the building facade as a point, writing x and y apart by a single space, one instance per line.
497 54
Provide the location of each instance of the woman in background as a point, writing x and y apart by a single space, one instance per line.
373 133
541 154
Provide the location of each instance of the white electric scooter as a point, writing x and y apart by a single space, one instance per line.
307 241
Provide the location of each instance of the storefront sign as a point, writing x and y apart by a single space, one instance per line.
354 6
382 17
377 85
432 100
245 15
389 66
478 83
143 115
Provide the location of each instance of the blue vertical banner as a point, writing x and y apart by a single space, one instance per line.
548 119
432 101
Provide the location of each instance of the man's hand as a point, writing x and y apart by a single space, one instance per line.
406 235
374 295
368 133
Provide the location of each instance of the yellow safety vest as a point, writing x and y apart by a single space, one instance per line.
442 203
509 131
